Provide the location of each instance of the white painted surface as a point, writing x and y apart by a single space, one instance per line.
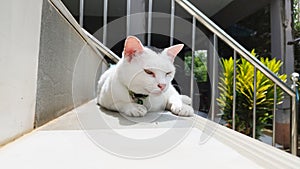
62 144
73 149
19 49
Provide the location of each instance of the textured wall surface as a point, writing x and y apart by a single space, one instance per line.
19 49
61 53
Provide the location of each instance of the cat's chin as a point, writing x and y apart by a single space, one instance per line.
156 93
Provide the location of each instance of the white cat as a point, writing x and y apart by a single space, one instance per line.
141 82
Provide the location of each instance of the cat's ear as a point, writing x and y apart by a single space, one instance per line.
132 47
173 51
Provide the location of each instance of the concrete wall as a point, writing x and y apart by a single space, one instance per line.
68 67
19 49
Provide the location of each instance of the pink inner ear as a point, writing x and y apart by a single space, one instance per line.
174 50
132 46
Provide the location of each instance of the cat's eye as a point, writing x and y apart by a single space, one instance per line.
168 73
149 72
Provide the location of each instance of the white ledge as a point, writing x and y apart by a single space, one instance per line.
63 143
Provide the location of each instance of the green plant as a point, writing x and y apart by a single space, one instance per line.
296 18
244 94
200 68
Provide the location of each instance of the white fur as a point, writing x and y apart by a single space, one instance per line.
115 83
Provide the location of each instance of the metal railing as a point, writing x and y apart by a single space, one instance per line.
218 33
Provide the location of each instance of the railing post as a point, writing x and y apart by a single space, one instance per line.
81 7
274 116
234 91
149 22
105 8
128 13
294 115
214 77
254 103
172 22
193 59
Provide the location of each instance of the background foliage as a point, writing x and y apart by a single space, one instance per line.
296 18
245 96
200 65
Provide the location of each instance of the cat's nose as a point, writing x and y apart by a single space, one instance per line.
161 86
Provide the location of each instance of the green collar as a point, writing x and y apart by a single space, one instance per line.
137 98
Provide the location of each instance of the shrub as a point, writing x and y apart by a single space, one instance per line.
244 94
200 68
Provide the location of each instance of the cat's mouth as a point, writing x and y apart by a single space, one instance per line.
156 92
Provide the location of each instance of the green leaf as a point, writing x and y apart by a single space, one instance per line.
245 93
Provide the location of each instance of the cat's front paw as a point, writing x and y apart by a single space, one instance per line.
186 99
135 110
183 110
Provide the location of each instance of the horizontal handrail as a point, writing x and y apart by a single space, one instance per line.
190 8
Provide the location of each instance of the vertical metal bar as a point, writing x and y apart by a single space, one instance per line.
294 115
81 12
149 22
234 91
254 103
128 17
193 59
294 134
274 115
214 80
105 8
172 22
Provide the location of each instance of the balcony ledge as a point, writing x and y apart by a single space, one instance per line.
67 143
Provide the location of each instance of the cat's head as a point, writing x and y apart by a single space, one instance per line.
147 70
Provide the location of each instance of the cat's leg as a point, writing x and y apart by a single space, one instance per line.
186 99
179 104
176 106
124 105
116 97
131 109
